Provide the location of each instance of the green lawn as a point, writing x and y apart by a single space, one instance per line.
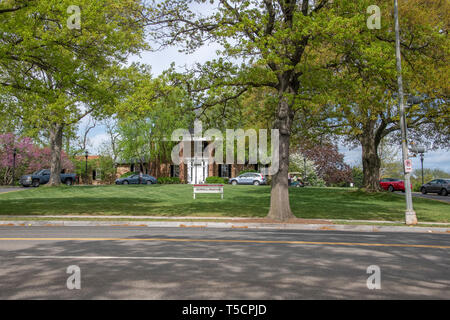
239 201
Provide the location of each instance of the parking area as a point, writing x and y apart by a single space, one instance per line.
10 189
432 196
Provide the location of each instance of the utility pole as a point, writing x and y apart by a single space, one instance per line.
410 214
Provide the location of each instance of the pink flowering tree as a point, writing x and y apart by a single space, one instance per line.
29 157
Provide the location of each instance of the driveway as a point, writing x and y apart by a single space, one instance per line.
432 196
4 189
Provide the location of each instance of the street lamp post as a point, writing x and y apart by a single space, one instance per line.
86 154
410 215
14 166
421 162
418 150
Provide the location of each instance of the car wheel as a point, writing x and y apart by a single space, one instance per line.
444 192
68 182
35 183
423 190
234 182
149 182
125 182
391 188
256 183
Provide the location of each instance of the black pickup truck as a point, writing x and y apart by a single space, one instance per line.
43 176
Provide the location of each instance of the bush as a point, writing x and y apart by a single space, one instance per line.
417 185
217 180
169 180
127 174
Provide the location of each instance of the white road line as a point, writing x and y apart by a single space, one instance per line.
114 258
327 234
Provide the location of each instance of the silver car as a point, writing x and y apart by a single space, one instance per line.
253 178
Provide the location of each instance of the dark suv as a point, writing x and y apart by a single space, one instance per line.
440 186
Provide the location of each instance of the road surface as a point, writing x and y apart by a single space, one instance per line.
10 189
200 263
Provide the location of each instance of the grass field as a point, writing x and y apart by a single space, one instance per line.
239 201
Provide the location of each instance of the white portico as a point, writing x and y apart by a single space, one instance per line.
197 170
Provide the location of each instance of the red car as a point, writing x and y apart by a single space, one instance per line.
392 185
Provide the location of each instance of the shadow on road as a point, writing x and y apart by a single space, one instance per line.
245 271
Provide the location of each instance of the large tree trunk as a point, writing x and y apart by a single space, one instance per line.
56 135
371 163
280 208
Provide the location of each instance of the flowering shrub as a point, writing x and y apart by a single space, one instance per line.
29 157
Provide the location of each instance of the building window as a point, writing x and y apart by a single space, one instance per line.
225 170
96 174
175 171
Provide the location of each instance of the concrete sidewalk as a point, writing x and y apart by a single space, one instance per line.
233 223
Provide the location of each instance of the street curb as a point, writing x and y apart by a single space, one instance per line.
225 225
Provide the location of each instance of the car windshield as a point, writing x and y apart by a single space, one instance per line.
447 181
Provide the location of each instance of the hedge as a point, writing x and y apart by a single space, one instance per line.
216 180
169 180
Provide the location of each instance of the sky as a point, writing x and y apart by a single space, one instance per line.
160 61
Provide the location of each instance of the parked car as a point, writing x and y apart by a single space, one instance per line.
43 176
392 184
439 186
134 179
249 178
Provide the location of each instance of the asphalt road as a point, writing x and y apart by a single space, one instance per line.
194 263
433 196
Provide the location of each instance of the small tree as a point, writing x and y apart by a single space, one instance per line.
297 164
29 157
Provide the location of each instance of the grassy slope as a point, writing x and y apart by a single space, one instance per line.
242 201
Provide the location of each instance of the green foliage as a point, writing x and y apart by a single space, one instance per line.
104 167
247 170
149 114
127 174
169 180
296 164
80 169
218 180
52 73
107 169
358 176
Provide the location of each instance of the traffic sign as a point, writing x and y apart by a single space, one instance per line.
408 166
